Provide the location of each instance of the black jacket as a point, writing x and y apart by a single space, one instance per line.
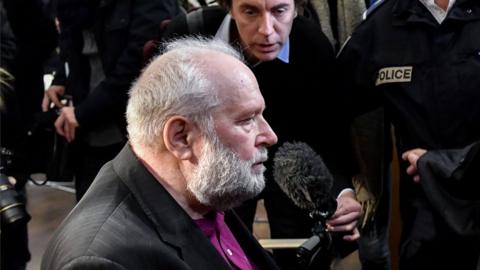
127 220
450 178
121 28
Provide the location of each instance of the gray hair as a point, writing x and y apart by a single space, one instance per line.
174 83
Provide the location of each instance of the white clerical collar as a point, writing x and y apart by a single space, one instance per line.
438 13
223 33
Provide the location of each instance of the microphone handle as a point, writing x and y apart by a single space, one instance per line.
311 243
307 250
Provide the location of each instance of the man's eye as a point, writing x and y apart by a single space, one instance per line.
280 11
249 12
248 120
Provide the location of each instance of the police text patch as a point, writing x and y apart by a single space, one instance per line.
394 75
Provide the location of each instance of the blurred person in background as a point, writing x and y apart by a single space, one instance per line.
101 43
27 38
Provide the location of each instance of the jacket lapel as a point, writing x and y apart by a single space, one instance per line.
249 244
172 223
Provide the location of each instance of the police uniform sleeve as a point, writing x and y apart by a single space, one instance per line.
356 74
369 129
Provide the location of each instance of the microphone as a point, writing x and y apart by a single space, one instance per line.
304 178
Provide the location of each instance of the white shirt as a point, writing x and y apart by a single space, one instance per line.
438 13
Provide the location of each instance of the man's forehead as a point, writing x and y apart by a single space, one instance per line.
266 3
230 83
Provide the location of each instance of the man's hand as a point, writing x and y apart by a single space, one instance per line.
412 157
66 123
346 216
52 95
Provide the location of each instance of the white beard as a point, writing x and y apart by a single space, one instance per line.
222 180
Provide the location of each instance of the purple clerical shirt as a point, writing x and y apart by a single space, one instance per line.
214 227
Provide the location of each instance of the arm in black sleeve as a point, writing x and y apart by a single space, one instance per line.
367 126
450 179
457 169
356 75
60 77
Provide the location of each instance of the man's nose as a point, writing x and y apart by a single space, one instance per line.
267 136
266 25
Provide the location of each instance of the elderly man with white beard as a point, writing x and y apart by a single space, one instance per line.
197 144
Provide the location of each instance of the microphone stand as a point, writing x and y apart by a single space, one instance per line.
320 241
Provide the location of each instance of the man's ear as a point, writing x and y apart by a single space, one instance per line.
178 136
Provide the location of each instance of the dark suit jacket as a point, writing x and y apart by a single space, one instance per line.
121 27
127 220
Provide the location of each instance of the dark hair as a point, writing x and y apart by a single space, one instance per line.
227 4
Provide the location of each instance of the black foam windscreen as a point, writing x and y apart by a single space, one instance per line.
303 176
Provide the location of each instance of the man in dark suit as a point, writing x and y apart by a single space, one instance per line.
197 144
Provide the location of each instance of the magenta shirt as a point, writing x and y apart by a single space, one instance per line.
215 228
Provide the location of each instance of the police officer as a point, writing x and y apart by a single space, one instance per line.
420 59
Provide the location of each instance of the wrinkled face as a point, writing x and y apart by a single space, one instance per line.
239 121
263 26
230 168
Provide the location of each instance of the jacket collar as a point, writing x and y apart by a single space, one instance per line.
412 11
172 223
